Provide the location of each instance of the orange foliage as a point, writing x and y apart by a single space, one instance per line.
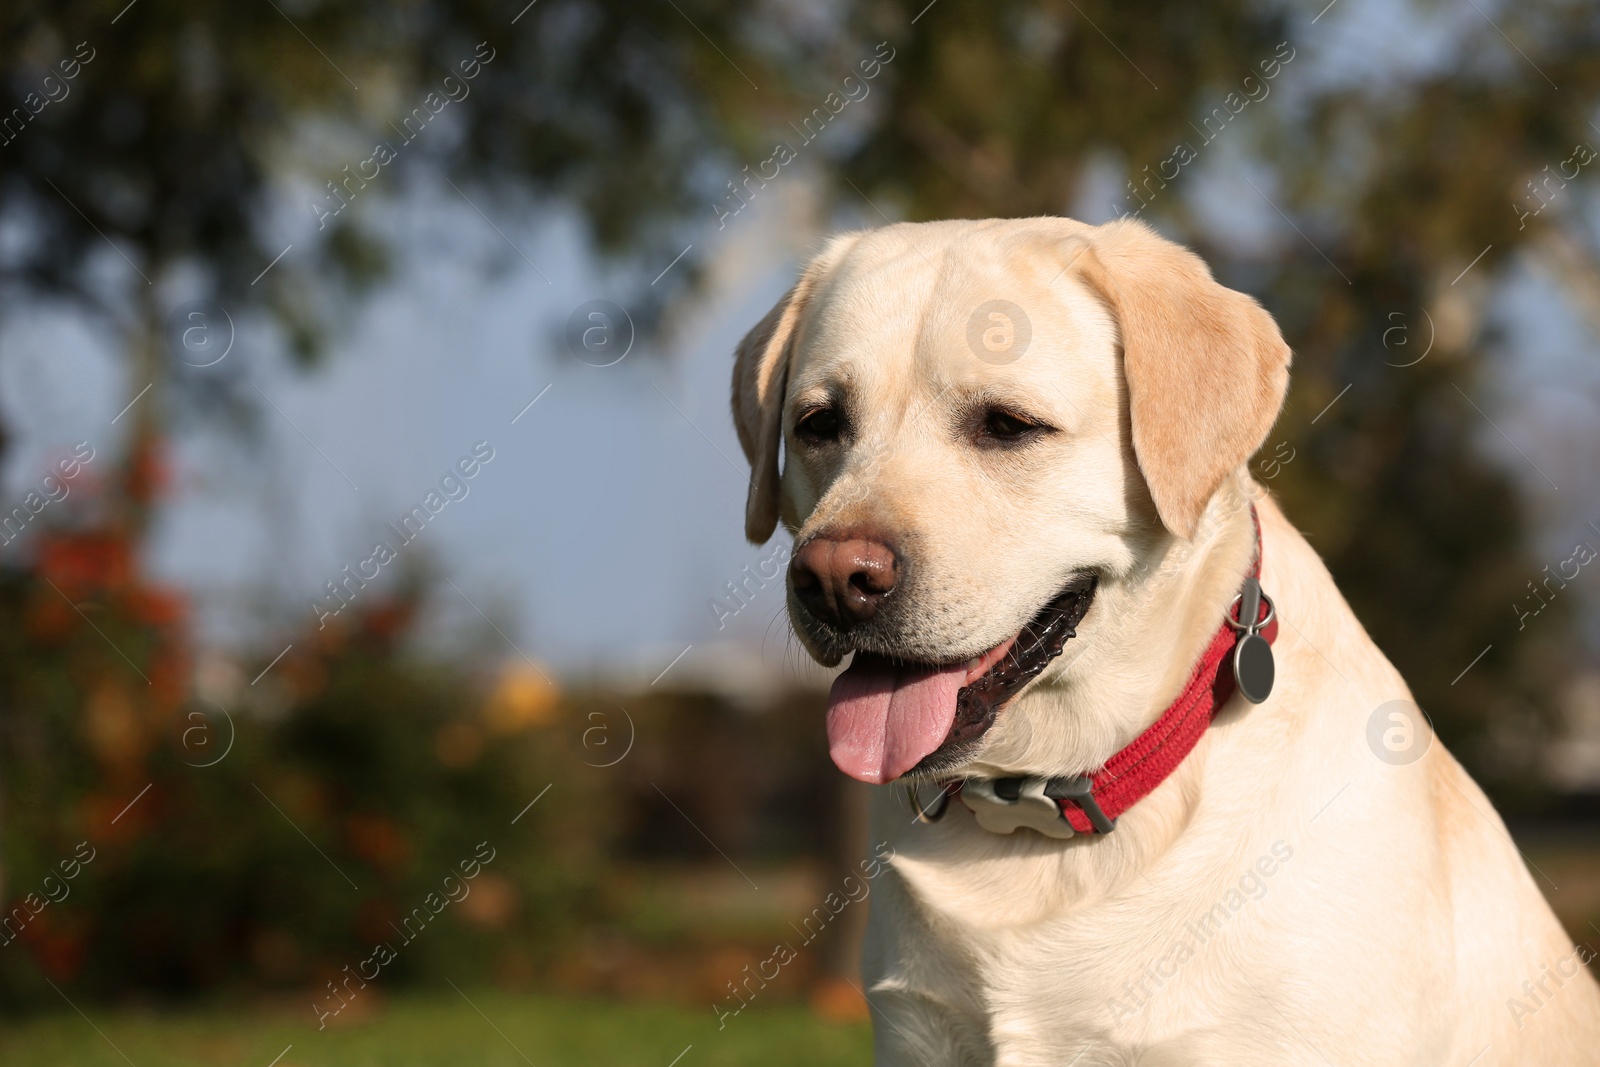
378 840
389 619
118 814
82 564
154 606
59 952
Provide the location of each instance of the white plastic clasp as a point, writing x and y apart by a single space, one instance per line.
1027 807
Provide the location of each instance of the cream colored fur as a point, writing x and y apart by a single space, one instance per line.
1397 924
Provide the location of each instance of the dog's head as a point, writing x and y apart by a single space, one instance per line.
979 423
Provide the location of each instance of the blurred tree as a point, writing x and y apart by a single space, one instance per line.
166 151
177 145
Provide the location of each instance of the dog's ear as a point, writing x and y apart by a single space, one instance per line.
760 372
1206 366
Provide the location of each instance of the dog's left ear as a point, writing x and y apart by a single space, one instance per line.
760 373
1206 366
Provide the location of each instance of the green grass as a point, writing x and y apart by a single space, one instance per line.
440 1031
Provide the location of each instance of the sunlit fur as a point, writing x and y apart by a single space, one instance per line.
1405 921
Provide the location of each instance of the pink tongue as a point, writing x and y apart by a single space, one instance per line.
883 718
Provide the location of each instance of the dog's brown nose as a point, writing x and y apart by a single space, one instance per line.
843 581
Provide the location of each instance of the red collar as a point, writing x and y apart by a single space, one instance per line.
1091 803
1135 772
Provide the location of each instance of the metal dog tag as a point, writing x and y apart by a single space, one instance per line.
1253 666
1027 807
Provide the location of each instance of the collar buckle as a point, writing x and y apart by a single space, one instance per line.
1003 805
1080 791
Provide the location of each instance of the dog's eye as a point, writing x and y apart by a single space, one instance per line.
818 425
1004 427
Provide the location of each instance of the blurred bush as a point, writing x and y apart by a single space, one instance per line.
213 874
263 836
271 842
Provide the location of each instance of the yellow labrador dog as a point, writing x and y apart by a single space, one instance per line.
1169 803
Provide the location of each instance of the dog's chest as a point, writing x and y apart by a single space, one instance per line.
1040 963
1211 953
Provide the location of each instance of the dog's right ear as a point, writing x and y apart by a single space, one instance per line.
760 373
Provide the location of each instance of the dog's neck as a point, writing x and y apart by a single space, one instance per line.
1163 611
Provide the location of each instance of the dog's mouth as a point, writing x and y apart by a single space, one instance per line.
889 717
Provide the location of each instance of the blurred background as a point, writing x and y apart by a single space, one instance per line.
372 514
